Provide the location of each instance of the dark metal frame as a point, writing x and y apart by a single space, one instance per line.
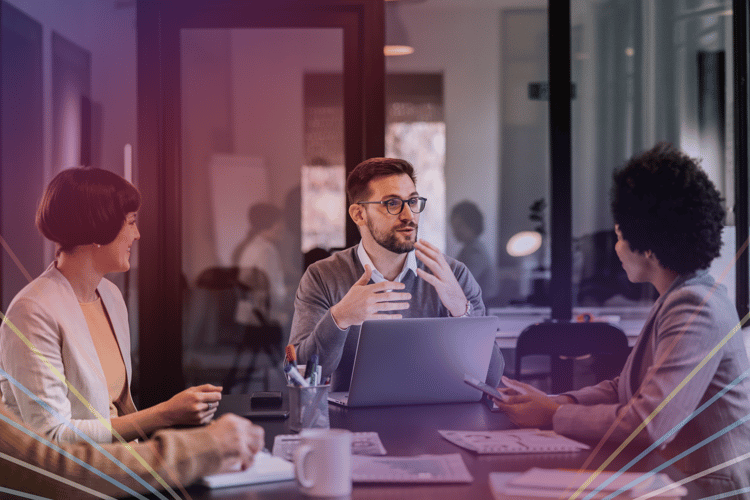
742 270
159 23
561 220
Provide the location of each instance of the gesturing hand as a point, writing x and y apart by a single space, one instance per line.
442 278
193 406
364 301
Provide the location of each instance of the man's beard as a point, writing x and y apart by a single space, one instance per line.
390 240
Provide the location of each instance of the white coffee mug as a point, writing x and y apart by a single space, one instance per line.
323 462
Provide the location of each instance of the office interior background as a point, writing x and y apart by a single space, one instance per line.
262 118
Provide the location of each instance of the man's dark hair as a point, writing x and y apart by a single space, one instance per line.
663 202
85 205
470 214
358 182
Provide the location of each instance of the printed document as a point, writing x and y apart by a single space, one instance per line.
420 469
363 443
513 441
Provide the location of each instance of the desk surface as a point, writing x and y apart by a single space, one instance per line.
410 431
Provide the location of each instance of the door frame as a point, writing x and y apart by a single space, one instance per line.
159 143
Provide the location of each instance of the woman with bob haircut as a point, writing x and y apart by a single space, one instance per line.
668 219
66 338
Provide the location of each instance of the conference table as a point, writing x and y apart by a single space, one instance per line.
411 431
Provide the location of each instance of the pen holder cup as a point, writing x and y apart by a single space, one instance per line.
308 407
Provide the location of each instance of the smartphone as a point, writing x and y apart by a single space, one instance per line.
490 391
279 414
266 400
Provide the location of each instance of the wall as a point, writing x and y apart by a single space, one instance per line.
109 34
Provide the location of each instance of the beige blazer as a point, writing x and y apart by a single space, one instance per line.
177 457
46 337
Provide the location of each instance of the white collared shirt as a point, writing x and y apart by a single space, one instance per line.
377 276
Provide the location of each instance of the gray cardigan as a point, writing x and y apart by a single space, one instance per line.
326 282
680 332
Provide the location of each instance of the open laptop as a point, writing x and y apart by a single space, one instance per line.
419 360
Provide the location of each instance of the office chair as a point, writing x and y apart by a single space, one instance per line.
564 342
259 333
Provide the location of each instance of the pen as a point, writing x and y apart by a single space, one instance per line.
295 376
291 354
290 358
311 369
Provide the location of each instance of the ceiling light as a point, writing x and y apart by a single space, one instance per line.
396 40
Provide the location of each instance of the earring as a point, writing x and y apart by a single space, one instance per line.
98 245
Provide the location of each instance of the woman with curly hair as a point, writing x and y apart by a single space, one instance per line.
668 219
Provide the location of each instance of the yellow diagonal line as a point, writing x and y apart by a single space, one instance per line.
15 259
83 400
656 411
51 475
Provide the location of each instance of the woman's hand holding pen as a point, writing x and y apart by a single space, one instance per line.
364 301
527 406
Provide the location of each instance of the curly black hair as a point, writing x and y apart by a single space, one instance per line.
663 202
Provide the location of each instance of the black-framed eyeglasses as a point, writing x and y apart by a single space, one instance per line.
396 205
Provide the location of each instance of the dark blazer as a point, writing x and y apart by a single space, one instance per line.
692 335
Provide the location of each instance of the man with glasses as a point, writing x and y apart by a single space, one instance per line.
389 274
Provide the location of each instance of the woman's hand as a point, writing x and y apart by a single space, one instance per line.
239 441
193 406
526 406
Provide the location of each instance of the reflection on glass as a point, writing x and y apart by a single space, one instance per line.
323 207
255 109
423 145
640 79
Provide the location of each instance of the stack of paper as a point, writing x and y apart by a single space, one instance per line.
539 484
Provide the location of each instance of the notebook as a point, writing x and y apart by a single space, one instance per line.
419 360
265 469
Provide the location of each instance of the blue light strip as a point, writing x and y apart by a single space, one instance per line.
86 438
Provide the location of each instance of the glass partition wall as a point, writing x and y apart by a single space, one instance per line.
263 147
474 92
238 130
644 71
